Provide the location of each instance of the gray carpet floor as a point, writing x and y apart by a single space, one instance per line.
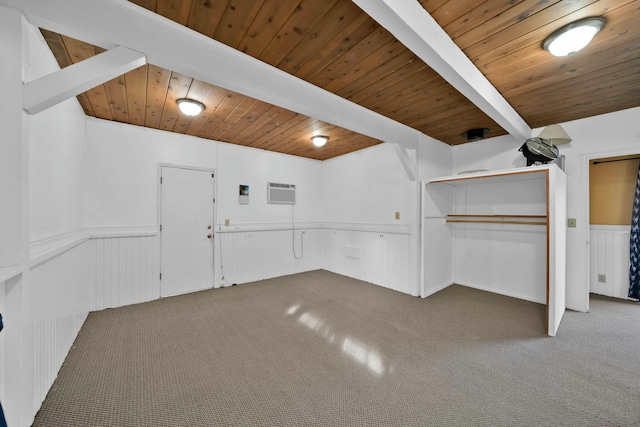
319 349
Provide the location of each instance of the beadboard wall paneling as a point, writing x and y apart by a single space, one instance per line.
378 256
609 257
126 270
56 301
250 253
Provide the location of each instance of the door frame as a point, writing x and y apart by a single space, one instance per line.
159 214
587 158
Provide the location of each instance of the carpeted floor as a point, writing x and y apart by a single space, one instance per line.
319 349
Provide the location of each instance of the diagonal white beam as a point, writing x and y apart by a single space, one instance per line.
178 48
412 25
410 166
49 90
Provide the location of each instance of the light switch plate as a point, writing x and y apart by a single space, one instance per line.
397 215
226 222
602 278
571 223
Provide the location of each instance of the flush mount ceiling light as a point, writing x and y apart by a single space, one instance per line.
571 38
319 140
475 134
190 107
555 134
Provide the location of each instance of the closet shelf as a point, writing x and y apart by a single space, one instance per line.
493 219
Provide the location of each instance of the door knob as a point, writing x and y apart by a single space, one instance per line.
209 236
209 226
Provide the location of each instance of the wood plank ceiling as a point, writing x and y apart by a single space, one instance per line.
335 45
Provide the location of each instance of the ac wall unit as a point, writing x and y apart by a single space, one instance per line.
281 194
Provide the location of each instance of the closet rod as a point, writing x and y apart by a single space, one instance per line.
496 216
499 222
615 160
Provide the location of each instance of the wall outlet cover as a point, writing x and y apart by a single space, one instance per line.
571 223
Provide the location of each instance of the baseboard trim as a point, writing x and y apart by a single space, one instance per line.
507 294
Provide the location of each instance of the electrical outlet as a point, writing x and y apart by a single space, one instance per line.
381 236
571 223
226 222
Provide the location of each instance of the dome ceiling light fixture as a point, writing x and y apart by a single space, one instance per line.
571 38
319 140
475 134
190 107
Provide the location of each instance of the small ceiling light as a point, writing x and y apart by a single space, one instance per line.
475 134
555 134
319 140
572 37
190 107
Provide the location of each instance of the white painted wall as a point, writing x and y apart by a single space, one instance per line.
56 156
52 290
600 136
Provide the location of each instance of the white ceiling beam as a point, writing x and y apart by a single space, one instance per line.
414 27
178 48
50 90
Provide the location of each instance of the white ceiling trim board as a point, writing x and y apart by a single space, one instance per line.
418 31
49 90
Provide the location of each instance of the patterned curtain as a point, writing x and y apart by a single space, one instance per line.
634 258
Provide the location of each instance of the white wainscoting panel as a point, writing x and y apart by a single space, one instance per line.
56 300
382 256
609 247
126 270
252 254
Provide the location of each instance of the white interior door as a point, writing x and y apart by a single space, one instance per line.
187 214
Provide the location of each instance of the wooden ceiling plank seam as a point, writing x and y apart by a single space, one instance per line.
381 55
273 128
282 131
509 18
561 74
452 10
240 128
236 20
261 124
205 16
324 33
231 100
175 10
483 12
398 67
157 85
581 91
398 90
270 19
534 29
294 30
234 117
359 28
350 58
212 100
179 85
534 55
136 92
417 30
117 96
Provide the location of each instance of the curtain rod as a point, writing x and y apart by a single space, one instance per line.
616 160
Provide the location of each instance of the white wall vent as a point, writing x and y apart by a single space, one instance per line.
282 194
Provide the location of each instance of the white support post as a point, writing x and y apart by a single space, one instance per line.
410 165
61 85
